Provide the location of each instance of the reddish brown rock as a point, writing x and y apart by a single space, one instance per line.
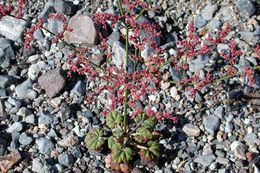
8 161
52 82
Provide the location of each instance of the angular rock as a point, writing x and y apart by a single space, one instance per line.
40 166
24 88
239 149
115 36
6 52
69 140
66 159
83 31
52 82
211 124
24 139
55 26
64 7
79 89
205 160
12 28
45 145
47 10
45 118
35 69
199 21
17 126
199 63
209 11
8 161
191 130
246 7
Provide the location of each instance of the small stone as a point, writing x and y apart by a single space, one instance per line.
30 119
199 63
214 24
12 27
45 119
52 82
252 138
239 149
8 161
205 160
57 168
219 111
229 127
223 48
64 7
119 54
209 11
55 26
207 150
6 53
246 7
35 69
69 140
39 165
17 126
45 145
22 89
79 89
211 124
114 37
4 81
235 94
191 130
199 21
24 139
66 159
174 93
83 31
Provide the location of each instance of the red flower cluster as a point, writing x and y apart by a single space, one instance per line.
4 11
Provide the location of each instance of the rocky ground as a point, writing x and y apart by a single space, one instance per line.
43 118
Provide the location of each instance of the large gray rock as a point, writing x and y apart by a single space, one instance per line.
246 7
83 31
6 52
12 28
52 82
24 90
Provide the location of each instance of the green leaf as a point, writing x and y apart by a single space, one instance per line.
114 118
152 152
143 135
122 155
94 139
112 144
147 122
117 132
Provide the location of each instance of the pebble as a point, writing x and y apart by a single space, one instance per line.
79 89
205 160
6 52
66 159
52 82
39 165
199 21
191 130
65 7
24 139
45 145
239 149
22 90
211 124
17 126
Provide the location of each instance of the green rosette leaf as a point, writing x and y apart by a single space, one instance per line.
113 119
94 139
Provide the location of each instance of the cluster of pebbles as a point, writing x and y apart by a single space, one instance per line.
43 118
